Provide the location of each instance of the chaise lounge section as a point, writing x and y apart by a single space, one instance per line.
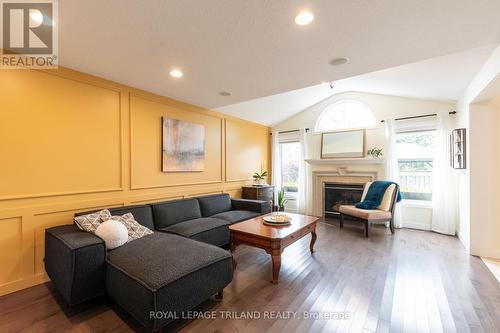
165 272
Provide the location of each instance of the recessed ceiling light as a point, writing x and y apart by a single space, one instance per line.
304 18
225 93
176 73
338 61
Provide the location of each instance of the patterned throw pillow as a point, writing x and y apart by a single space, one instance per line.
90 222
135 230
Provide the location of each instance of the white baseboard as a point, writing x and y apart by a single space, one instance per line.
464 240
415 225
493 265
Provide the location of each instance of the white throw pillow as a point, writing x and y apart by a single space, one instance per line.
113 232
134 229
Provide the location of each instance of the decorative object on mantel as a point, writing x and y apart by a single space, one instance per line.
458 156
374 152
183 146
258 177
342 171
343 144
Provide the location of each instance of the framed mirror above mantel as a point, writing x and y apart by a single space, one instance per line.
343 144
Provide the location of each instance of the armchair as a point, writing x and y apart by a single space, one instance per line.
383 213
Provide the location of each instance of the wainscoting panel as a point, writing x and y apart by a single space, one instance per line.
11 251
155 198
234 193
43 222
74 142
202 193
146 145
247 149
71 130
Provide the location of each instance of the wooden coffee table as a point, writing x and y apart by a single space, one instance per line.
273 239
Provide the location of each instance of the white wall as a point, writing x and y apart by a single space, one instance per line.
383 107
484 167
478 223
462 180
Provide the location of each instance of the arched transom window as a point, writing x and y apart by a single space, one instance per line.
346 114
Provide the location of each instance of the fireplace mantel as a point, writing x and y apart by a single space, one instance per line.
347 161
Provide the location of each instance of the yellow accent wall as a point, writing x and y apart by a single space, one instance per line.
72 142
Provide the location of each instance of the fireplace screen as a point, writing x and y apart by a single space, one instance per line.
340 194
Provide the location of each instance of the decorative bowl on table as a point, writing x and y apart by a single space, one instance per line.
277 219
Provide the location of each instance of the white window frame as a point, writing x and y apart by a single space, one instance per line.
281 160
415 202
292 197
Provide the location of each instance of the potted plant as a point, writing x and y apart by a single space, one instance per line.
281 201
258 177
374 152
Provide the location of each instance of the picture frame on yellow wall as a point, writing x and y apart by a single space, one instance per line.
183 148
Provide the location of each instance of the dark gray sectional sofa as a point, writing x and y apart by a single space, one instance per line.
205 218
175 269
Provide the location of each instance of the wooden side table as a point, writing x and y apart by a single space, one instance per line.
265 193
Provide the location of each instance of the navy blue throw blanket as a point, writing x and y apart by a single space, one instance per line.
375 195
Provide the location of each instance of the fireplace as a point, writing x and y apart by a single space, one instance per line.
337 194
341 176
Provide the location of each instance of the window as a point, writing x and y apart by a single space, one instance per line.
345 115
290 159
415 152
290 164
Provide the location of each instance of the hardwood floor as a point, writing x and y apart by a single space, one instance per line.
413 281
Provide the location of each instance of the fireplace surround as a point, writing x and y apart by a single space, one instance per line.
342 176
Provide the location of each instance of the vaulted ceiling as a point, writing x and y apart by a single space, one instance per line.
442 78
254 49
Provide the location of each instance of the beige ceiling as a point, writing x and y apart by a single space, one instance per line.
253 49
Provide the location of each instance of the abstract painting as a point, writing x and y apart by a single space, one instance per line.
183 146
